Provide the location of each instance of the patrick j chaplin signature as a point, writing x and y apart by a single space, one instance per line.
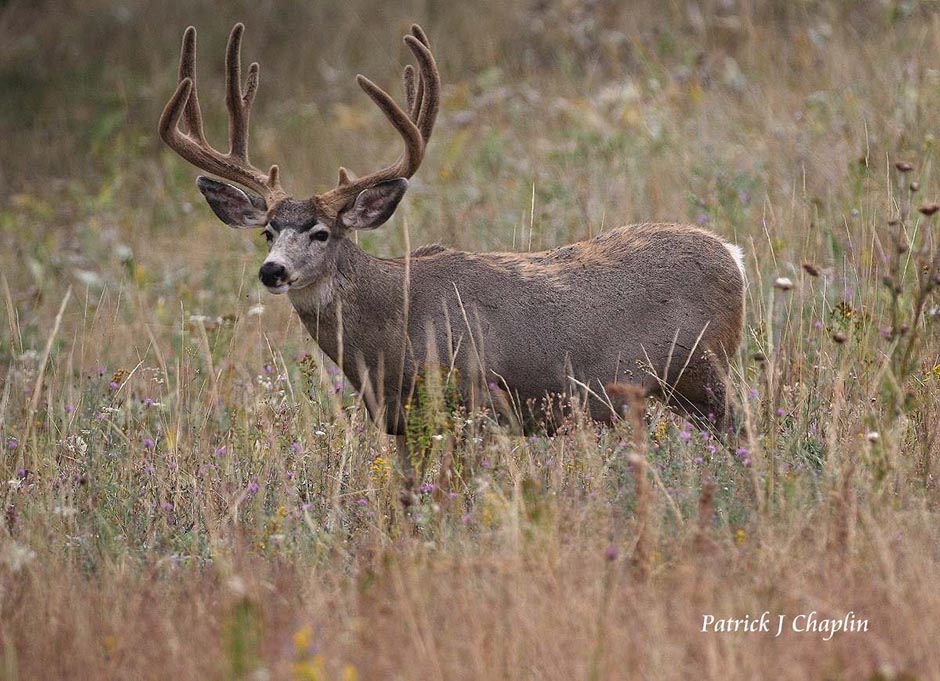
804 623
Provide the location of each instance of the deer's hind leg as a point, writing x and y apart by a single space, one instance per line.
702 393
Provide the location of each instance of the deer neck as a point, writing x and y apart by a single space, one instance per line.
356 312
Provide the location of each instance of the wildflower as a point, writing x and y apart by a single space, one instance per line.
149 469
362 502
101 372
221 451
743 452
296 448
281 511
69 409
12 444
817 324
426 487
486 464
303 637
167 506
610 555
701 219
698 459
268 369
780 412
148 402
149 443
253 487
685 435
811 269
711 449
113 385
754 394
740 536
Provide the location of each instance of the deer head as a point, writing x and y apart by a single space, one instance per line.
304 236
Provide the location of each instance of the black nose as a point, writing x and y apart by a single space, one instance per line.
272 274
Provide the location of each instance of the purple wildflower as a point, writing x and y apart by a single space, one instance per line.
167 506
12 444
149 443
610 555
426 487
296 448
362 502
221 451
113 385
69 409
253 487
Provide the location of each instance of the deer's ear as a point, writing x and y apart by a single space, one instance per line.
374 205
232 205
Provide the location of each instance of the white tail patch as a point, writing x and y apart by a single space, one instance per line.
738 254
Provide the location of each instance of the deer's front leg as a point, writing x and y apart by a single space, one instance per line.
406 466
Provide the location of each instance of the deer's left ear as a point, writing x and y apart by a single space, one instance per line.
374 205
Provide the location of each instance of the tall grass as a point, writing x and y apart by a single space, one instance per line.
190 490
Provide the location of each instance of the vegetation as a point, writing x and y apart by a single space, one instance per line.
190 490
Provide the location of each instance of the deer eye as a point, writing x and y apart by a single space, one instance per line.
268 236
320 235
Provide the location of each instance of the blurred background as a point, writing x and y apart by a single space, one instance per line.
766 121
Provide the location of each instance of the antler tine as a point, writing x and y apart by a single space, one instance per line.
430 82
192 144
422 95
414 143
408 80
238 102
192 114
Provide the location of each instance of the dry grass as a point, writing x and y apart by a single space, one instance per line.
190 491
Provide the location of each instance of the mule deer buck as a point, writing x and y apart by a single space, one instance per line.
658 306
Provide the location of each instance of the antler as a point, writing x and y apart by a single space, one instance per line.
422 97
192 144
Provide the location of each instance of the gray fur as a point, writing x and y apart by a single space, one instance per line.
654 305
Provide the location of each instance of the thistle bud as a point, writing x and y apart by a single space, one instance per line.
929 209
783 283
839 337
903 167
811 269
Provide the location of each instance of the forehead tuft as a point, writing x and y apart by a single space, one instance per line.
293 214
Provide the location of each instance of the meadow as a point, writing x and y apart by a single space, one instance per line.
190 490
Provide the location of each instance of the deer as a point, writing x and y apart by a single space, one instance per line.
658 307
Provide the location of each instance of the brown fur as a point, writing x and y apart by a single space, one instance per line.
624 307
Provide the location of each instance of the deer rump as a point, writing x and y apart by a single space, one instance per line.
658 306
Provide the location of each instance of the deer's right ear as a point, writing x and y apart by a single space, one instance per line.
232 205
